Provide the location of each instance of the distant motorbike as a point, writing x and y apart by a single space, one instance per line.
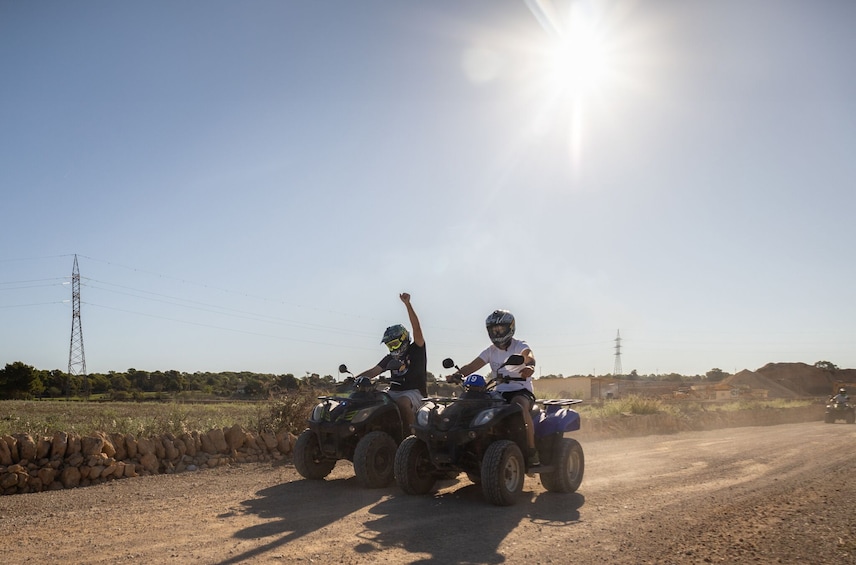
364 427
481 434
839 410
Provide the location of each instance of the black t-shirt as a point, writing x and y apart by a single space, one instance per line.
412 374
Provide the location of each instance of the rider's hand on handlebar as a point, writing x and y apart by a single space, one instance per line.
454 378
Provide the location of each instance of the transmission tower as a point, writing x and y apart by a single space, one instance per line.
617 370
76 357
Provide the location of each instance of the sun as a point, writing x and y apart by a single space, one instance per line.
578 60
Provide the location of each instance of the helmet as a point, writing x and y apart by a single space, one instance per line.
396 339
842 391
363 384
500 327
474 382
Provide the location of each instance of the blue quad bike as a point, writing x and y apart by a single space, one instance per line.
482 435
364 427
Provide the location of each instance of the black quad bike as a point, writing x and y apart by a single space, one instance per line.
484 436
838 410
363 427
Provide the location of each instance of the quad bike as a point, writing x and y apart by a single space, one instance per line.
484 436
839 410
364 427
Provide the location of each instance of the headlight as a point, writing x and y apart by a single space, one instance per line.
423 415
322 409
484 417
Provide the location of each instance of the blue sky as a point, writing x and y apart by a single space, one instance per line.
249 185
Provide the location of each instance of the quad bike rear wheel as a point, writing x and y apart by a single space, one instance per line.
570 465
414 472
374 458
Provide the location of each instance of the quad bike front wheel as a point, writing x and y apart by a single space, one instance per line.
374 458
502 473
414 472
570 465
308 459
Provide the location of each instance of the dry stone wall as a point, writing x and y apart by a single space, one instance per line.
68 460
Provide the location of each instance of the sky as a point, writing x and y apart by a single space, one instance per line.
248 186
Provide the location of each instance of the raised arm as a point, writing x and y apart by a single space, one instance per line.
418 339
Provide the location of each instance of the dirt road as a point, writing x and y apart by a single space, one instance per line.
777 494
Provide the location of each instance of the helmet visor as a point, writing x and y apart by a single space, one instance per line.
497 331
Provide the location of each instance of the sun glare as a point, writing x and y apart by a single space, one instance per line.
578 61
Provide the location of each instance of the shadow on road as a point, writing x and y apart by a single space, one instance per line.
453 525
458 525
301 507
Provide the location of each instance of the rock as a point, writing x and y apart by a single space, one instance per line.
145 446
12 445
74 444
47 475
235 437
5 453
208 445
131 446
118 442
70 477
8 480
269 440
26 447
91 445
219 438
160 451
43 448
108 448
149 462
189 444
75 460
59 444
285 442
170 451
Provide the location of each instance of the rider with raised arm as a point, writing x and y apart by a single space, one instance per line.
407 364
500 329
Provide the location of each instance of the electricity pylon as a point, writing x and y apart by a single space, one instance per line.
76 356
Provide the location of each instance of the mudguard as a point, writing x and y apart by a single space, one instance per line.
556 417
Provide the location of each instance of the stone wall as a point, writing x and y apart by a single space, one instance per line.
68 460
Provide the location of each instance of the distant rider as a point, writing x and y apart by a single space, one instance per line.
841 397
407 364
500 329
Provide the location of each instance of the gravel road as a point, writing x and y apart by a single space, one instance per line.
769 494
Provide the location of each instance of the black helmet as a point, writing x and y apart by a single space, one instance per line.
396 339
500 327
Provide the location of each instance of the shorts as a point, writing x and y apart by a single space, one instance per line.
509 394
413 394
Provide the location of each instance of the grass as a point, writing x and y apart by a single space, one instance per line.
289 412
43 418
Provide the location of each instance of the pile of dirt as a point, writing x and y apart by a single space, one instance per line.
803 379
754 381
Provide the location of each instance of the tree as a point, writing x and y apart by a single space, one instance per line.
715 374
826 366
16 380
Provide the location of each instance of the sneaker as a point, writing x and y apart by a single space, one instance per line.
534 460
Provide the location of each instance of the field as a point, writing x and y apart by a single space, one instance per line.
43 418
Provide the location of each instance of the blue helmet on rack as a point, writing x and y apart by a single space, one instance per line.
475 383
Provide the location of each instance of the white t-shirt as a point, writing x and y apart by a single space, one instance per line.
496 357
